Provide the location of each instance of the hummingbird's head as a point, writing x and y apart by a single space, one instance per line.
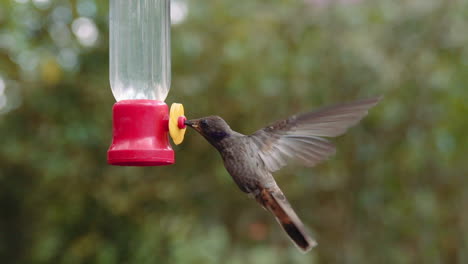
213 128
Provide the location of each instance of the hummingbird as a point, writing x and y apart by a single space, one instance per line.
251 159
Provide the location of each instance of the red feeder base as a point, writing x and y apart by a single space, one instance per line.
140 134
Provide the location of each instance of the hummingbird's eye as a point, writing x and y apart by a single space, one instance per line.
203 123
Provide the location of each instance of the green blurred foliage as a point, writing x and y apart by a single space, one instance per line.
396 192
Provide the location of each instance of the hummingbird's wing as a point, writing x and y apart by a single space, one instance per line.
299 137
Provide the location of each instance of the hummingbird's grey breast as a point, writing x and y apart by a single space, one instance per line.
244 164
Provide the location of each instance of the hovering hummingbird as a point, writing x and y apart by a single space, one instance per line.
251 159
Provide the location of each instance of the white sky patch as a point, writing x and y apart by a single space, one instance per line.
42 4
62 14
68 59
86 8
329 2
3 99
28 60
86 31
60 34
2 86
179 11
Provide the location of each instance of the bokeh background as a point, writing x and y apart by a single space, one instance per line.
396 192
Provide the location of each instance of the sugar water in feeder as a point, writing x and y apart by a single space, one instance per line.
140 78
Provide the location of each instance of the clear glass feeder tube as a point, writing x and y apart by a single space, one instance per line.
140 62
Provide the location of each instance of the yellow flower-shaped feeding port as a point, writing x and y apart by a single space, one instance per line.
177 123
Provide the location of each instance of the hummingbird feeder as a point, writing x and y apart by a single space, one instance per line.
140 78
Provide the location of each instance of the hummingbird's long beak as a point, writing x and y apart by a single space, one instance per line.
193 124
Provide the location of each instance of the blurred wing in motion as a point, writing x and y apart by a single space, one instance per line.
299 137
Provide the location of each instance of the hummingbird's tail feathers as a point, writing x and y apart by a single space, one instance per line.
277 204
